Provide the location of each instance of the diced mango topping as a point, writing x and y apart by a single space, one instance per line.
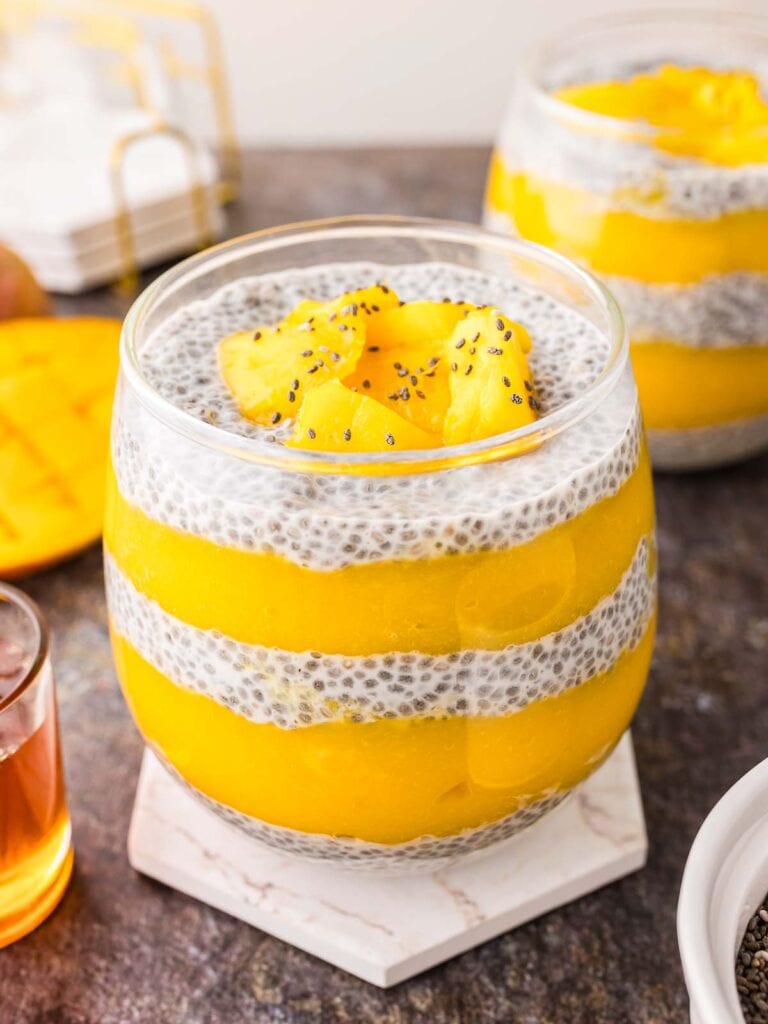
718 116
368 373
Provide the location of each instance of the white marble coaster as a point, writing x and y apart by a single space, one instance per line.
385 930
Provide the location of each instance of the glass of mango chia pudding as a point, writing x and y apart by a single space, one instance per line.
639 147
380 535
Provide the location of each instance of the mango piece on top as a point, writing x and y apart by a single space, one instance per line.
402 364
491 386
333 418
270 369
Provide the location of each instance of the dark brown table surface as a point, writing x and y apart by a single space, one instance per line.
123 949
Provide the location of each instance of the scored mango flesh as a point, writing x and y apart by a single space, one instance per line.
57 377
368 373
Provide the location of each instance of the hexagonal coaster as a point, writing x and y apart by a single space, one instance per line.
386 929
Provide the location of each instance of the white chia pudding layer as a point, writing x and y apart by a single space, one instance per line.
708 447
328 521
294 689
427 853
721 311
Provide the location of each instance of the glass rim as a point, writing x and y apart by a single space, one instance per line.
356 227
747 24
12 595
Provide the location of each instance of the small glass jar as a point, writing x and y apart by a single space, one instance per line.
379 658
35 834
674 221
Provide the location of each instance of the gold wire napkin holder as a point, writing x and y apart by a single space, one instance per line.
196 193
210 73
110 27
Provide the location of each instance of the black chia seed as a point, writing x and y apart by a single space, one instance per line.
752 968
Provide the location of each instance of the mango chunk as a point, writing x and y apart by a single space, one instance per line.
306 308
366 301
402 365
333 418
270 370
56 382
416 325
491 389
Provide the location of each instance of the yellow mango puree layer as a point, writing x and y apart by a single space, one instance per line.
660 250
387 781
684 387
486 599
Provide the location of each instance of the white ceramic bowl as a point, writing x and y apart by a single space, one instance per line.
725 880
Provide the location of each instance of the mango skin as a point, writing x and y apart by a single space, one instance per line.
20 293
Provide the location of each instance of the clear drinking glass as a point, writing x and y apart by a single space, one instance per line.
673 219
380 658
35 836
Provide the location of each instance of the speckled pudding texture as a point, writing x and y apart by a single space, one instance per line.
379 669
679 240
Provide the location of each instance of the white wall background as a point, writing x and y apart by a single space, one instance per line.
335 72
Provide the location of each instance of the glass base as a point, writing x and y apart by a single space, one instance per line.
43 900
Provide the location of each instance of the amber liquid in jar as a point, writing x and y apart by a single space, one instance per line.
35 853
